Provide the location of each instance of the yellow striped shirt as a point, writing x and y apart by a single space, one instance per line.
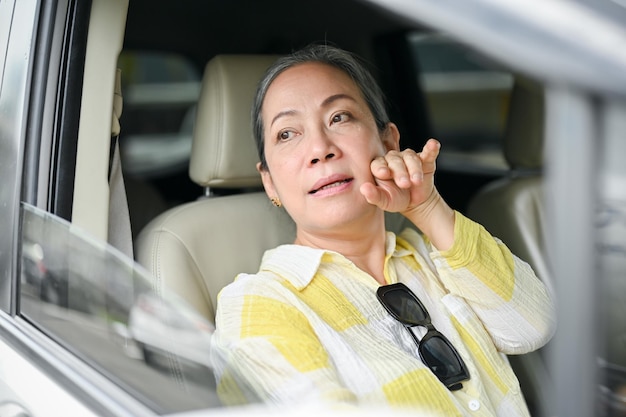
308 327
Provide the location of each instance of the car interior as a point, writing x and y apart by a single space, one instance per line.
385 42
230 207
165 159
174 245
189 204
512 207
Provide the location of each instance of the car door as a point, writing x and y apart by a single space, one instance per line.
81 329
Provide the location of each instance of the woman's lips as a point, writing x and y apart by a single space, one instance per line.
331 182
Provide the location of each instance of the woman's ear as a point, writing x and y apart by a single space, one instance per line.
268 183
391 137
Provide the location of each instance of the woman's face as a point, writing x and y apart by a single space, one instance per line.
320 138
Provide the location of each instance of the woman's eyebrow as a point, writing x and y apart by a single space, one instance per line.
327 102
282 114
331 99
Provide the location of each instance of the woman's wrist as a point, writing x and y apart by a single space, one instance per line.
435 219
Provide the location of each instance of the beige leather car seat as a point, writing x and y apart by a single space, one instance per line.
512 209
197 248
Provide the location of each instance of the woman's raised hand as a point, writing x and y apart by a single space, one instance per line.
403 180
404 183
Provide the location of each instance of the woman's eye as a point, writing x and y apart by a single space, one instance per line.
340 117
285 135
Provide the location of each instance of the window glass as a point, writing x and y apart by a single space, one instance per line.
467 99
160 91
101 306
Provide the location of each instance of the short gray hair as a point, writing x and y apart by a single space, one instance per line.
329 55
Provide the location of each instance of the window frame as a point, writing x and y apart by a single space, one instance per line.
39 68
14 100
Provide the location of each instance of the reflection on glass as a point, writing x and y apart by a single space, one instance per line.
102 306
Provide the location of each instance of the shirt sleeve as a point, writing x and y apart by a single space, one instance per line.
504 292
265 350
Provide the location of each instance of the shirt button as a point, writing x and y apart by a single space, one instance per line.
474 405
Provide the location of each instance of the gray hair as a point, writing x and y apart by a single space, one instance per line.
329 55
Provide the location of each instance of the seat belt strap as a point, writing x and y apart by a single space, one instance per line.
119 233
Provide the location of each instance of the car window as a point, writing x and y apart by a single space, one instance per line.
467 99
103 307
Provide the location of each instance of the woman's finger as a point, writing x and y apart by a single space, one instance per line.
429 155
413 165
380 168
398 166
374 195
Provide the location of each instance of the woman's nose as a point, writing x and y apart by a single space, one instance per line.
322 148
328 156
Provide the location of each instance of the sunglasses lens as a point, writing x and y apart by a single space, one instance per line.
440 357
405 307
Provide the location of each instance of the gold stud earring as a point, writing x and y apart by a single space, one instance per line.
276 202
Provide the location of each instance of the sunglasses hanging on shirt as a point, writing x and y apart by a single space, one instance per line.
434 348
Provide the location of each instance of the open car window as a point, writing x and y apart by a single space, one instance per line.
101 306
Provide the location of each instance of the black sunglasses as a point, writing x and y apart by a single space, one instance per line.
435 349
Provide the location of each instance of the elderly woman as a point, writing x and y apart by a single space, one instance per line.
351 313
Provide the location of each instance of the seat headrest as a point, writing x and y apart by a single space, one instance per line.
524 132
223 153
